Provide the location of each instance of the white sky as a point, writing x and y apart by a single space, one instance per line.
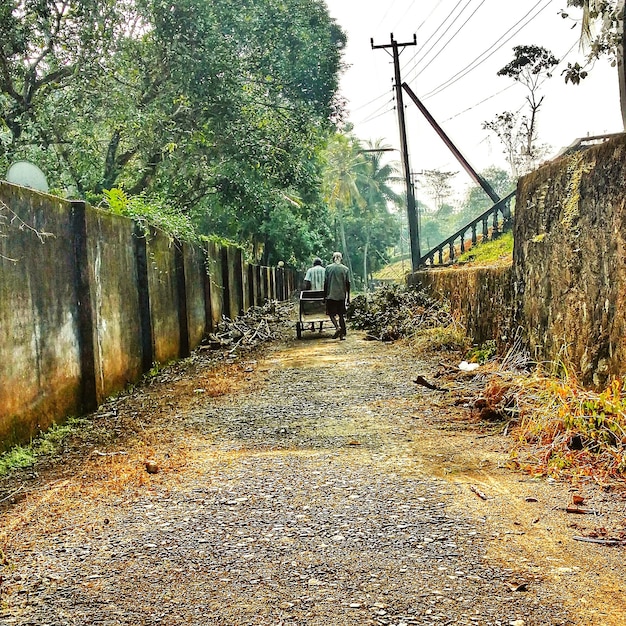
451 35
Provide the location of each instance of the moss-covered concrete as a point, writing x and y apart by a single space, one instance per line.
40 369
115 301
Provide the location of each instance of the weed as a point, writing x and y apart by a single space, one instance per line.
482 353
564 429
47 443
450 338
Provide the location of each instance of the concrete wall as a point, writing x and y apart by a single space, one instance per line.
40 358
566 289
113 276
88 303
216 282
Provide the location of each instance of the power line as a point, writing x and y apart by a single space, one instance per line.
436 30
489 51
424 54
463 25
374 113
386 13
502 91
382 95
375 117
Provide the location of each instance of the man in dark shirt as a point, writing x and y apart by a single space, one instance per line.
337 292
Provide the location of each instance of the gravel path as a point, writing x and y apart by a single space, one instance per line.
297 498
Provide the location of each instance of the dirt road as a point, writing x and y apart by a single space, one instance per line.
313 484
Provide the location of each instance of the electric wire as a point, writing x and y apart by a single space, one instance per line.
374 113
434 33
489 51
461 27
375 117
424 54
382 19
376 99
477 104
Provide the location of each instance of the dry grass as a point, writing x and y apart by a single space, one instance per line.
451 338
561 429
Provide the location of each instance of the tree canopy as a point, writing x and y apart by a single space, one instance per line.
220 110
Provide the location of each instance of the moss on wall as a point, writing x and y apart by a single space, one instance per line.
569 262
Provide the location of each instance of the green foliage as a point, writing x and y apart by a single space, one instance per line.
216 109
490 251
605 40
531 66
358 188
48 443
482 353
150 212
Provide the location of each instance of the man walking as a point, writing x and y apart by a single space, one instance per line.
337 292
314 277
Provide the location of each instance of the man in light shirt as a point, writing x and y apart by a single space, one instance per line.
314 277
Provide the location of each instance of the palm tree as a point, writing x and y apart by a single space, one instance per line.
344 162
375 183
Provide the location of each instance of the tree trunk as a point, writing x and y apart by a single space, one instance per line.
367 244
621 65
344 245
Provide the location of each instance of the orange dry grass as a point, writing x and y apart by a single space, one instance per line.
566 431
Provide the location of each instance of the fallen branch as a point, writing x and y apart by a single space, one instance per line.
604 542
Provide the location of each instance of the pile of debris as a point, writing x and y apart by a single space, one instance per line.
396 312
259 324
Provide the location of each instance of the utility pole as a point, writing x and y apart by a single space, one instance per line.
406 170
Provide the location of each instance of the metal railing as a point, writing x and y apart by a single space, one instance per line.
501 221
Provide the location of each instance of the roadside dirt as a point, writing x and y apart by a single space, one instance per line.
312 482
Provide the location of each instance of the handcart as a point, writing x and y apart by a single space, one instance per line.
312 312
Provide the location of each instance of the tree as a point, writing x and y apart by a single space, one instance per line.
609 39
376 189
218 108
530 66
508 129
437 184
344 166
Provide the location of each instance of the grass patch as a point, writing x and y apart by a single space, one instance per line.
497 250
561 429
46 444
449 338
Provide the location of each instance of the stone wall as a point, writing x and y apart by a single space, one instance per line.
480 298
88 303
570 261
566 289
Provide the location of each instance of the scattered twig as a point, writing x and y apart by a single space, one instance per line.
12 495
604 542
109 453
480 494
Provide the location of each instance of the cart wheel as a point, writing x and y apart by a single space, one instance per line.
299 330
